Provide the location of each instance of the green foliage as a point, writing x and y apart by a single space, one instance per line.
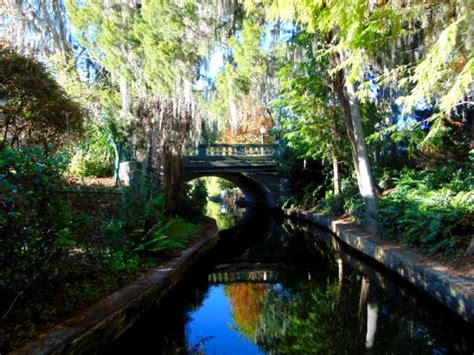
142 206
35 224
226 184
224 221
192 204
209 133
34 109
150 45
93 156
144 226
431 210
446 71
361 30
174 235
348 201
304 179
198 197
240 80
311 119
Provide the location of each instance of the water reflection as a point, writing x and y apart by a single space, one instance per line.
222 202
247 301
209 332
225 212
281 289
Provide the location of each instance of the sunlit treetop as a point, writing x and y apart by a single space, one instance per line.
155 44
34 109
360 30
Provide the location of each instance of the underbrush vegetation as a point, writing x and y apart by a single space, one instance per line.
93 156
349 201
432 210
63 249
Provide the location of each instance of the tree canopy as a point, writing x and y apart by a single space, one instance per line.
360 86
34 109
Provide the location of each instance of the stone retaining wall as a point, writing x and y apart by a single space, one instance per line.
106 320
457 293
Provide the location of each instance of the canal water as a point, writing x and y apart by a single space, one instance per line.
276 287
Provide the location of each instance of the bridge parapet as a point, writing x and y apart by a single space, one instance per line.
237 150
251 167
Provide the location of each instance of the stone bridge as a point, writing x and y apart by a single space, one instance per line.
251 167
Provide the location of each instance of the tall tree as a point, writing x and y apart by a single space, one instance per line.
330 19
356 31
152 49
36 27
310 112
34 109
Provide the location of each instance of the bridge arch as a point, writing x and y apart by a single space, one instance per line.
255 192
251 167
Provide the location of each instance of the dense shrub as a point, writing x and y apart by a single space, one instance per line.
348 201
174 235
141 209
35 224
192 201
93 156
431 210
60 250
144 227
34 109
198 199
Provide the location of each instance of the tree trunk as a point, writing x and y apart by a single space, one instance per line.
125 99
470 249
336 178
116 160
366 184
364 294
340 271
166 161
172 176
372 316
346 96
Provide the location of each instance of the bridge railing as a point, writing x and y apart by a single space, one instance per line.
222 150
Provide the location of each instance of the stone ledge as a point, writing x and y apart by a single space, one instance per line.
107 319
454 292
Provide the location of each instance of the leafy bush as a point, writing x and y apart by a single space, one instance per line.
144 227
354 205
348 201
225 184
35 224
141 208
34 109
432 210
192 203
94 156
198 198
174 235
58 244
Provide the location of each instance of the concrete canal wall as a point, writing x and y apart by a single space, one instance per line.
456 292
106 320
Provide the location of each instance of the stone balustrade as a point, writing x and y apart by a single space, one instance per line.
223 150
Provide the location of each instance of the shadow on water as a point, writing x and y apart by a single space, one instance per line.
272 287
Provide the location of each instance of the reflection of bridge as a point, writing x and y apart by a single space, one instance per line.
247 276
251 167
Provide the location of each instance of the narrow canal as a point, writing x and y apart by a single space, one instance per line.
276 287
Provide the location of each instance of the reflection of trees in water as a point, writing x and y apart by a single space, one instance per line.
314 319
224 220
333 317
247 302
